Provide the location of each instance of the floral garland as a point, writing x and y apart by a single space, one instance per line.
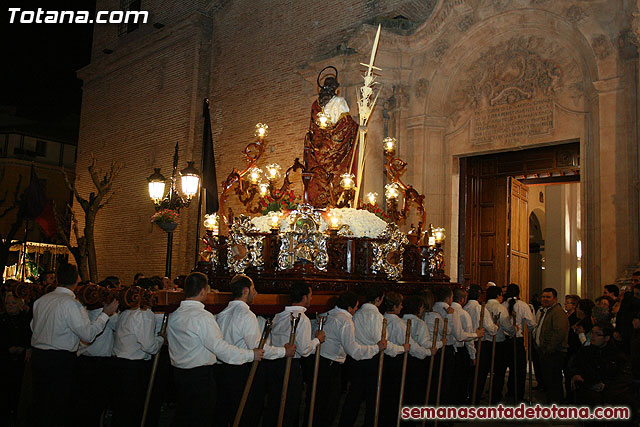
375 209
287 203
165 215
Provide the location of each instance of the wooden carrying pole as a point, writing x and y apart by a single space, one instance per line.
515 360
316 367
252 373
493 361
529 351
154 369
405 359
383 336
287 369
477 373
434 342
441 370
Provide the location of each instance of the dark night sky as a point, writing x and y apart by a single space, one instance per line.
40 60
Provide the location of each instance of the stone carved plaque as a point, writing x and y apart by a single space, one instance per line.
512 122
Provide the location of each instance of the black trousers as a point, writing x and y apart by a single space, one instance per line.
499 371
95 374
196 396
362 387
390 392
551 365
416 382
517 363
328 392
52 385
448 373
231 380
131 390
462 372
275 377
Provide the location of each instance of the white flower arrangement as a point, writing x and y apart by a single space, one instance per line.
361 223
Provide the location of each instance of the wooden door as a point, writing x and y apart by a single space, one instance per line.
518 235
484 254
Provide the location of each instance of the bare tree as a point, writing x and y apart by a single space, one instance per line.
84 251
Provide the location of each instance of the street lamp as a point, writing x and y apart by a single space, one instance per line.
173 200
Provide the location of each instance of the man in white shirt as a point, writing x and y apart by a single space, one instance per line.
195 343
300 294
465 355
239 326
474 309
340 341
517 362
364 373
455 334
396 333
417 369
95 366
59 323
136 341
505 328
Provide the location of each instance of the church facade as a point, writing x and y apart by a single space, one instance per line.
478 93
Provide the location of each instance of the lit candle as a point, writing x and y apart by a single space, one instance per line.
211 223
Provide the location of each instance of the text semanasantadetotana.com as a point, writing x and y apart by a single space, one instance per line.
537 412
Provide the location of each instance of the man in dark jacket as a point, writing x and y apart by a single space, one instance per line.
600 373
551 336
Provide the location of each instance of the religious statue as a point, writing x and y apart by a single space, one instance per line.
330 143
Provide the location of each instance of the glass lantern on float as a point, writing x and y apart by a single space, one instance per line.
389 144
372 198
262 130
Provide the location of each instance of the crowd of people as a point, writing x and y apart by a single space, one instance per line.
68 364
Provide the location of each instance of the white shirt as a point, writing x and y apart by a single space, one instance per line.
136 337
473 308
239 326
340 338
368 324
397 333
420 332
504 324
60 321
467 326
455 333
281 328
523 315
102 346
430 319
196 340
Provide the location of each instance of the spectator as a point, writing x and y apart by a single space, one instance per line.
48 278
629 307
600 373
15 338
635 349
583 327
605 301
611 291
551 337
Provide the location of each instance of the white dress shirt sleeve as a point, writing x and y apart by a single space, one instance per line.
146 335
212 339
304 344
80 324
351 346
